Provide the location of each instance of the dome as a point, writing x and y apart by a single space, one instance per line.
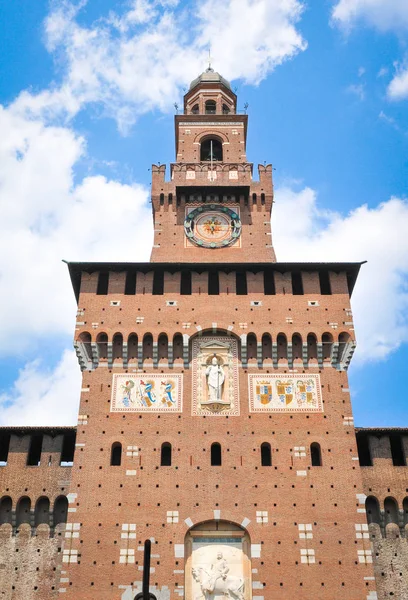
210 76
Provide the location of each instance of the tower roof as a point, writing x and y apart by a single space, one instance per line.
210 76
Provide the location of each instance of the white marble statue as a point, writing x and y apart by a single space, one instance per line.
215 380
216 581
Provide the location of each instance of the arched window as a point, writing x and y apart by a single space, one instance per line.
163 348
210 107
85 340
147 346
42 511
327 341
282 347
266 455
297 347
132 346
404 506
60 510
23 511
117 347
211 149
316 454
102 345
116 454
5 510
216 455
195 110
165 455
372 510
390 511
225 109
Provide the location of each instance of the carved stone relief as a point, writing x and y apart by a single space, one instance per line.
215 376
217 569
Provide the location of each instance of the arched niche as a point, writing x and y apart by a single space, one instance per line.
214 549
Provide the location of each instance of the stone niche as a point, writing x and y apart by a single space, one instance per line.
215 376
217 562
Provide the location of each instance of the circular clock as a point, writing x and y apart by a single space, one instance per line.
212 226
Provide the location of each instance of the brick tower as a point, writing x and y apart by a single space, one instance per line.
215 415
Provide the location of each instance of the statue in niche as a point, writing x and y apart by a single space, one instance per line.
217 582
215 380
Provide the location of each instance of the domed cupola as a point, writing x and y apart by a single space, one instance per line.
210 94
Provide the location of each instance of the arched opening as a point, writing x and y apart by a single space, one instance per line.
266 455
116 454
217 555
117 347
405 509
297 347
315 454
163 348
344 339
282 344
216 455
42 512
165 455
390 511
195 109
132 346
372 510
327 342
178 349
266 347
311 348
23 511
225 109
60 510
85 340
147 347
210 107
251 348
211 150
102 345
6 506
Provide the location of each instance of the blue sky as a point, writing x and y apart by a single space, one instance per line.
87 92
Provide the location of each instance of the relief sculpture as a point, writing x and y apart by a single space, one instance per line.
215 376
217 582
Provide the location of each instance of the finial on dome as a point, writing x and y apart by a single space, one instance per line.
209 68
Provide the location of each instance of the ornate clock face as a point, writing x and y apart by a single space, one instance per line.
212 226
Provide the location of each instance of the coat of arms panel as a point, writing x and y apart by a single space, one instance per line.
283 393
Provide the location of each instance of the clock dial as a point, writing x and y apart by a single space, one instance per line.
212 226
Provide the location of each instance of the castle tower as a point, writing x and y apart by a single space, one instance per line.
215 414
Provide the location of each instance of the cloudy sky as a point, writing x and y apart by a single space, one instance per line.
87 93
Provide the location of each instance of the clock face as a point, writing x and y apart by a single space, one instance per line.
212 226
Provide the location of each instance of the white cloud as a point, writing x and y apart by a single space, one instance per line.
43 397
378 235
398 87
384 15
46 217
139 60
